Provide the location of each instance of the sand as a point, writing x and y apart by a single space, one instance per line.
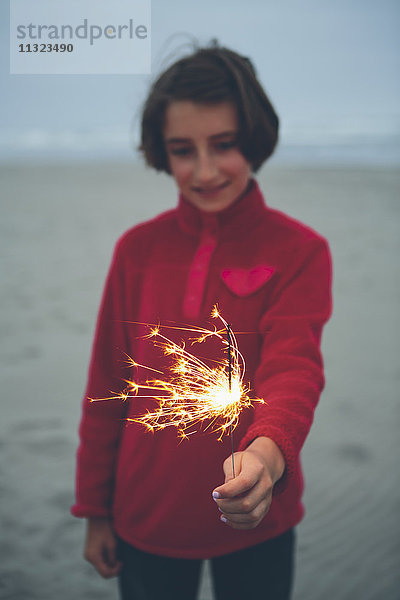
58 226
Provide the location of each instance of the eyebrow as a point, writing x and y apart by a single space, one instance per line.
217 136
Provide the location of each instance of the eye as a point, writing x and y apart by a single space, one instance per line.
226 145
180 151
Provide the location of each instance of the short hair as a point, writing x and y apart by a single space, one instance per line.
212 75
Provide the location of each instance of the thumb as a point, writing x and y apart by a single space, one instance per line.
245 478
231 466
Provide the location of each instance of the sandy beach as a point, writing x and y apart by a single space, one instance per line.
58 226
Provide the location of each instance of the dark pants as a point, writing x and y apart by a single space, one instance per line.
262 572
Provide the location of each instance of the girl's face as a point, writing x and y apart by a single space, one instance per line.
203 153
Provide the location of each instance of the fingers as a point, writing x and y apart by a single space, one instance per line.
245 503
246 511
245 500
102 564
246 520
101 547
103 557
110 558
245 516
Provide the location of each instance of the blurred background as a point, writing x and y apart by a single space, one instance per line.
71 183
330 68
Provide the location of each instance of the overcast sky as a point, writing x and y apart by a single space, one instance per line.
329 66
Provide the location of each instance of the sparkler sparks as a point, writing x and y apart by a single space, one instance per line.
193 395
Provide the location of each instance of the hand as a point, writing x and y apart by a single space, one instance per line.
245 500
101 547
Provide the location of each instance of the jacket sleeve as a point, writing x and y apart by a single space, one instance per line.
102 421
290 374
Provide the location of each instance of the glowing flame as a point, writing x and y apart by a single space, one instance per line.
194 394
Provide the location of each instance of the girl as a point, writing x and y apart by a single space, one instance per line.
156 507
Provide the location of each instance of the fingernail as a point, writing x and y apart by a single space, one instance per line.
223 519
216 495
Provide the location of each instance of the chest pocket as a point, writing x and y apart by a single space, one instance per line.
244 282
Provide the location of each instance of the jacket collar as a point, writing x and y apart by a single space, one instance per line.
243 214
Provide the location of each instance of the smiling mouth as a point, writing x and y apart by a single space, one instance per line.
209 191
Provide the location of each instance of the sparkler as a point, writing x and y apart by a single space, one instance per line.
228 333
194 394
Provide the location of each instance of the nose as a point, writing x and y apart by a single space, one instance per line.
206 169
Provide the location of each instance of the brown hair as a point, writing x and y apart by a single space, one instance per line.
212 75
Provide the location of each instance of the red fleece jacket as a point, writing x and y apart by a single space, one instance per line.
271 278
